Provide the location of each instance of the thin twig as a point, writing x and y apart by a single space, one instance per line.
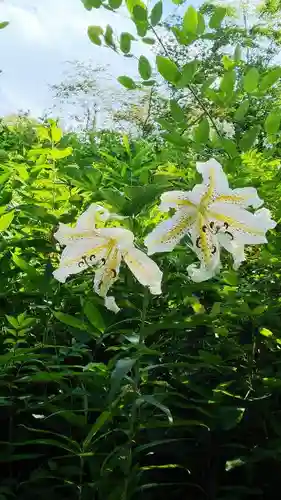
148 111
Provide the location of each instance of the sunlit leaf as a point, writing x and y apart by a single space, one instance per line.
167 69
6 220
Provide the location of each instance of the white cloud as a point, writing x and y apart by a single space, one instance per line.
40 38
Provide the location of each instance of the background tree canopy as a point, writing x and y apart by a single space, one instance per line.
177 395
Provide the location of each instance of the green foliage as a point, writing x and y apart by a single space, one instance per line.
178 395
127 82
144 68
168 69
156 13
190 20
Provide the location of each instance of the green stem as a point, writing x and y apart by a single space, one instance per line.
134 414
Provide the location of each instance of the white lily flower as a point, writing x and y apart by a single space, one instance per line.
213 215
88 245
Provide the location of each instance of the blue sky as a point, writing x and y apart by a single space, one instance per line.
41 37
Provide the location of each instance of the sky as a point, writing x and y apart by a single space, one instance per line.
41 37
44 34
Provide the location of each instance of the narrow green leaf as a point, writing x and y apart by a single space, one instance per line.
230 147
228 82
56 134
217 17
122 368
156 13
4 24
13 321
165 124
101 420
24 266
270 79
175 138
188 73
94 316
202 131
69 320
249 138
176 111
251 80
241 111
144 68
6 220
190 20
272 122
201 25
127 82
237 53
152 401
168 69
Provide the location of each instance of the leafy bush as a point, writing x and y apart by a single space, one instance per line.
178 393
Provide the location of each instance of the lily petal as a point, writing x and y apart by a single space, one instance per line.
246 228
199 274
245 197
107 274
237 251
111 305
214 179
123 238
94 213
205 244
175 199
168 233
145 269
79 256
67 235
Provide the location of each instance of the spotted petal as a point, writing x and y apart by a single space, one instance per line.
244 197
123 238
175 199
79 256
246 228
67 235
206 246
145 269
214 182
168 233
94 213
237 251
107 274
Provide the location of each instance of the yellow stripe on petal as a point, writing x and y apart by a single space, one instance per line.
168 233
228 198
107 274
145 269
235 224
175 199
205 242
208 196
